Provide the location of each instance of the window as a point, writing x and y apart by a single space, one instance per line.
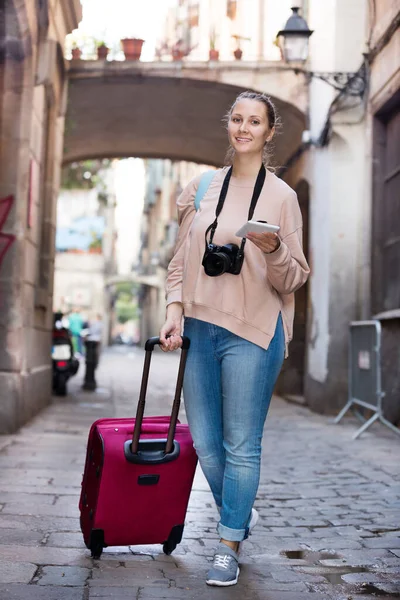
231 9
193 15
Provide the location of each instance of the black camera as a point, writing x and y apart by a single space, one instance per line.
222 259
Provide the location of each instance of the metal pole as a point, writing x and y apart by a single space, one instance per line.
91 365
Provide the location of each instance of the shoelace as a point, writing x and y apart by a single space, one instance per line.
222 560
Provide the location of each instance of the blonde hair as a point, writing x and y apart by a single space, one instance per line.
273 122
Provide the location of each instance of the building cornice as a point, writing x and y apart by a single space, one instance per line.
384 39
72 11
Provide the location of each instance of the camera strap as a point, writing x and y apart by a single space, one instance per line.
224 190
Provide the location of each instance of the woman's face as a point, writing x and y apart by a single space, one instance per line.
248 127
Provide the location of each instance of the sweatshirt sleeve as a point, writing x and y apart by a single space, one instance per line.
186 214
287 266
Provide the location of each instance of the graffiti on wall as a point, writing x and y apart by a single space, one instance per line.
6 239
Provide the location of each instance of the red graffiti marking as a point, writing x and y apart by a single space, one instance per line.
6 239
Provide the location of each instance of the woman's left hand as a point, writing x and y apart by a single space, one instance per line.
266 242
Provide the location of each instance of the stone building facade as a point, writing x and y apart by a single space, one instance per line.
382 258
164 182
32 104
346 207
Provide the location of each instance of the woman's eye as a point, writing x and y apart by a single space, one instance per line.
256 122
235 119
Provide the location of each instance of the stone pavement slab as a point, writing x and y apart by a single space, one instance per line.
32 592
11 572
65 576
329 506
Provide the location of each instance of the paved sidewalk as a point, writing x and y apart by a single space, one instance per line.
329 507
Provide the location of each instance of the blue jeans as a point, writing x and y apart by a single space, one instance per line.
227 390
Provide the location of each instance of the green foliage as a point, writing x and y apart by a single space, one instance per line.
125 297
126 310
97 242
84 175
127 288
213 39
126 303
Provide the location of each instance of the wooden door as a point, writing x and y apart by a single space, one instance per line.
385 273
291 380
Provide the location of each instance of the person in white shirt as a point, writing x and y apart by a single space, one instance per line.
95 329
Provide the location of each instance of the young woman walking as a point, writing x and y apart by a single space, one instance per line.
237 299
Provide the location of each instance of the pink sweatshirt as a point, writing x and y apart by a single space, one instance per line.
247 304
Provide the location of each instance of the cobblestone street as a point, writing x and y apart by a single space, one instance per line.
329 507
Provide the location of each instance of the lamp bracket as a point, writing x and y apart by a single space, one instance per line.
351 83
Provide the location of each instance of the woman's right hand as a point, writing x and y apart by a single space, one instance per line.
172 328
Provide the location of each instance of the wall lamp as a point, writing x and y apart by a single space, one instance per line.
293 41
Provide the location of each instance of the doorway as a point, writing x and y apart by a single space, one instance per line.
291 379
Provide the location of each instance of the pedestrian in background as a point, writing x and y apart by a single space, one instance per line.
94 332
76 321
92 336
237 300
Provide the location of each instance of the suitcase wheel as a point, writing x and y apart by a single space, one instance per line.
96 544
173 540
97 552
168 548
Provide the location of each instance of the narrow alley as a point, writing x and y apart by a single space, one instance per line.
329 506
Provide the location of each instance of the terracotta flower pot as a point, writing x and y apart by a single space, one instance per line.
238 53
102 52
132 48
177 54
76 53
213 54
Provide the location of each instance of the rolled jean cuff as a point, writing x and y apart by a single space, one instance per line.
232 535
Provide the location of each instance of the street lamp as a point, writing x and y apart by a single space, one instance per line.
293 38
293 41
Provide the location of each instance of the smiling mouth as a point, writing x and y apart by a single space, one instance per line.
242 140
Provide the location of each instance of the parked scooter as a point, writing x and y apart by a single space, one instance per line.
65 364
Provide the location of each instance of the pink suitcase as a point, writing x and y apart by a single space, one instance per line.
138 475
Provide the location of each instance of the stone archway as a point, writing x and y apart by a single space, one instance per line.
114 111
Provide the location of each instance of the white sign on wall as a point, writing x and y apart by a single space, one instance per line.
81 296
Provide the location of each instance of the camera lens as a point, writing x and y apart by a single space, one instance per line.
217 264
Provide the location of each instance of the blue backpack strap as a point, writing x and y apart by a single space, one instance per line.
204 184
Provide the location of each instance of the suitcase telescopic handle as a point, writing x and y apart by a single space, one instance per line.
149 347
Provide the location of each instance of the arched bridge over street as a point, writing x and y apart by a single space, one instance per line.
172 110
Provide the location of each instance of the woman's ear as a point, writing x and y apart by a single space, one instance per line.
270 135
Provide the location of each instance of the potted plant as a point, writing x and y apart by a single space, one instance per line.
132 47
213 52
238 52
76 51
178 50
102 50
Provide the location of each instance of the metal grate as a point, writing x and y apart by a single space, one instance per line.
365 388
